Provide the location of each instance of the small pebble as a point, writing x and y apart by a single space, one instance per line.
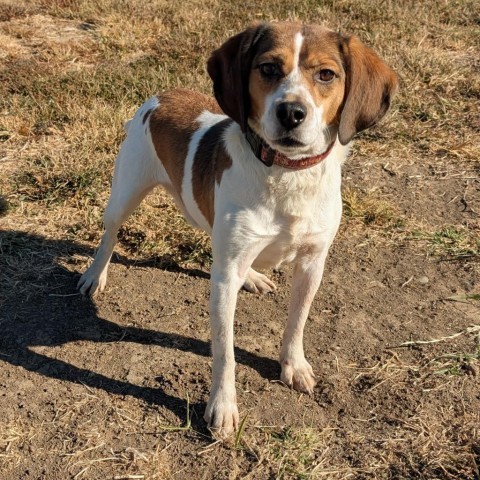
423 280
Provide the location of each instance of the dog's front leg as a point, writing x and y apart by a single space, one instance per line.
296 371
222 412
231 264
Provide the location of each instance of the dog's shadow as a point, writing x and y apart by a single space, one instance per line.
39 307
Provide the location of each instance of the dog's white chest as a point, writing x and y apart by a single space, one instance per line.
298 237
293 214
302 233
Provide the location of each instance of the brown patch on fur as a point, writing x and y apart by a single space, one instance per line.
320 50
172 125
258 92
211 160
276 46
355 100
229 67
370 84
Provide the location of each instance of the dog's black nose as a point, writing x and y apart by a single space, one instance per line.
291 114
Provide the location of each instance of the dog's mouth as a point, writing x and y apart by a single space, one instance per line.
289 142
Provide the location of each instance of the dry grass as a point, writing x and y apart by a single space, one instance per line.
72 71
79 444
426 443
370 209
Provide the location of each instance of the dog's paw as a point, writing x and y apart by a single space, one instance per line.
258 283
298 374
221 414
91 283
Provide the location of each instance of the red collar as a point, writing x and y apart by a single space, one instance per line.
283 161
268 156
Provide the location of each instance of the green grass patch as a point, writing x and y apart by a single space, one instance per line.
451 240
457 363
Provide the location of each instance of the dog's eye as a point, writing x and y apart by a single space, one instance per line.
269 70
325 76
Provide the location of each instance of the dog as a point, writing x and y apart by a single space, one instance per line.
258 167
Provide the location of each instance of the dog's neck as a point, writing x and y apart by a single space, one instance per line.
268 156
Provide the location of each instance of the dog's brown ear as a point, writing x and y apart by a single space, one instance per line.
370 84
229 68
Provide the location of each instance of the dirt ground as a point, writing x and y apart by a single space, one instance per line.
116 387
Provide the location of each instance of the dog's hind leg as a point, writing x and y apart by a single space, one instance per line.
119 207
256 282
137 172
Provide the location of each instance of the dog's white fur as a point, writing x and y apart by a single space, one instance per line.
264 217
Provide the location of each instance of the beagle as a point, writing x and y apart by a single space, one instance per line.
260 171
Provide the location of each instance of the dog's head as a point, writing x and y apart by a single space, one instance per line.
299 86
